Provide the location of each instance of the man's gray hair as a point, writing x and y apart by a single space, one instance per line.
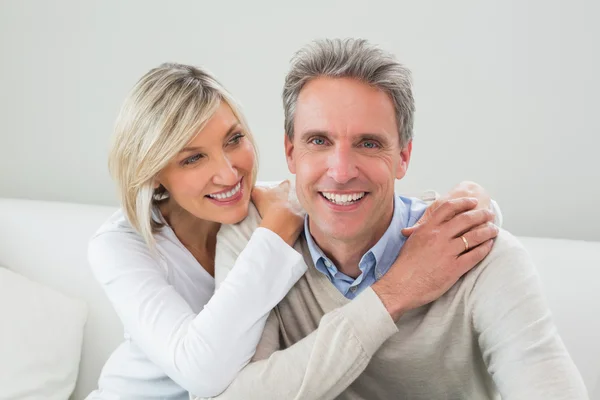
356 59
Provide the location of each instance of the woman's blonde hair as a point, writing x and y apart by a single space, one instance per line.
163 112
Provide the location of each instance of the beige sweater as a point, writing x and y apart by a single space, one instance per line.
491 334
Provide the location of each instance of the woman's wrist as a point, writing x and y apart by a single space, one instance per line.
282 227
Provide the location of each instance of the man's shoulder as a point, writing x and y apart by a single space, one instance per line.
248 225
507 261
242 230
506 245
410 208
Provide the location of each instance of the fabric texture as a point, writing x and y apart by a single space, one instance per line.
40 339
490 335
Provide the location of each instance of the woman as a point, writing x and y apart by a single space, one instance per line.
184 161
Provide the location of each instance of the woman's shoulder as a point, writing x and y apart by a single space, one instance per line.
114 235
117 222
116 240
116 230
117 227
117 247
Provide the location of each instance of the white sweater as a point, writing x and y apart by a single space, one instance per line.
178 338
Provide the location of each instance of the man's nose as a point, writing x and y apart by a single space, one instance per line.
342 165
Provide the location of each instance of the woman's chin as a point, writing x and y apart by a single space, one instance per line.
234 216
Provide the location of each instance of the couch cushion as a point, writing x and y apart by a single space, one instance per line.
570 274
40 339
47 242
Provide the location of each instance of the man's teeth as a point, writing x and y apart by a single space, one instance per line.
343 199
223 196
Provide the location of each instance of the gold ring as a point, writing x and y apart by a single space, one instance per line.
466 243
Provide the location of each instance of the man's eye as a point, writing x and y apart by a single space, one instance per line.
318 141
369 144
193 159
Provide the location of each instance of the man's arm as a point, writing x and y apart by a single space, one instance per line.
518 339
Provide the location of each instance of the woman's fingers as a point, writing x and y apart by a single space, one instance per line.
473 238
450 208
467 221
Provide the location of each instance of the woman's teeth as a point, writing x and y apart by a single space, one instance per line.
224 196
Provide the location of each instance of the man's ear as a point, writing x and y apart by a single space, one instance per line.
403 161
289 154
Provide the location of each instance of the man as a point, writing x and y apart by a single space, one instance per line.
348 118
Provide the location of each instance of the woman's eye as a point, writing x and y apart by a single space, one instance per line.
318 141
193 159
236 138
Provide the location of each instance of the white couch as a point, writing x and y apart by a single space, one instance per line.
47 242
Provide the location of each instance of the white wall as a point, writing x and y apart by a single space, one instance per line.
507 91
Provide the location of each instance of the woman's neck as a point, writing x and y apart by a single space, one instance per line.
199 236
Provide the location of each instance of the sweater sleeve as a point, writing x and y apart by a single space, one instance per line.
519 342
321 365
201 352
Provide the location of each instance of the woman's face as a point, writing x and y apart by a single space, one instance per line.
211 177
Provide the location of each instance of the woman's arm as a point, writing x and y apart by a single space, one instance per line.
201 352
321 365
298 372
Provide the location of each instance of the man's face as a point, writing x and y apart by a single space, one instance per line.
346 155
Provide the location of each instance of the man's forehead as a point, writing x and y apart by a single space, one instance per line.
342 106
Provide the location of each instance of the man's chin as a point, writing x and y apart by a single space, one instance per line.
340 231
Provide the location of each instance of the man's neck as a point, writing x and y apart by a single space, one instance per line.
346 253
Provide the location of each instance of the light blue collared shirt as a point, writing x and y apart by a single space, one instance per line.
378 260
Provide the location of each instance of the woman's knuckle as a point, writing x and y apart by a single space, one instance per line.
466 219
446 207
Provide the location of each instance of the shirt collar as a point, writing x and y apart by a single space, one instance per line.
316 253
391 240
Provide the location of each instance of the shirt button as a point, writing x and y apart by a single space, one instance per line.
327 264
378 274
353 289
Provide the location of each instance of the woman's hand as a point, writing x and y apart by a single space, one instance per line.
463 189
438 253
280 211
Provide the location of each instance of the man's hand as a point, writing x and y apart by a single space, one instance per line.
435 256
463 189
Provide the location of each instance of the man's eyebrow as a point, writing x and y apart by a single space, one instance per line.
383 139
313 132
196 148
